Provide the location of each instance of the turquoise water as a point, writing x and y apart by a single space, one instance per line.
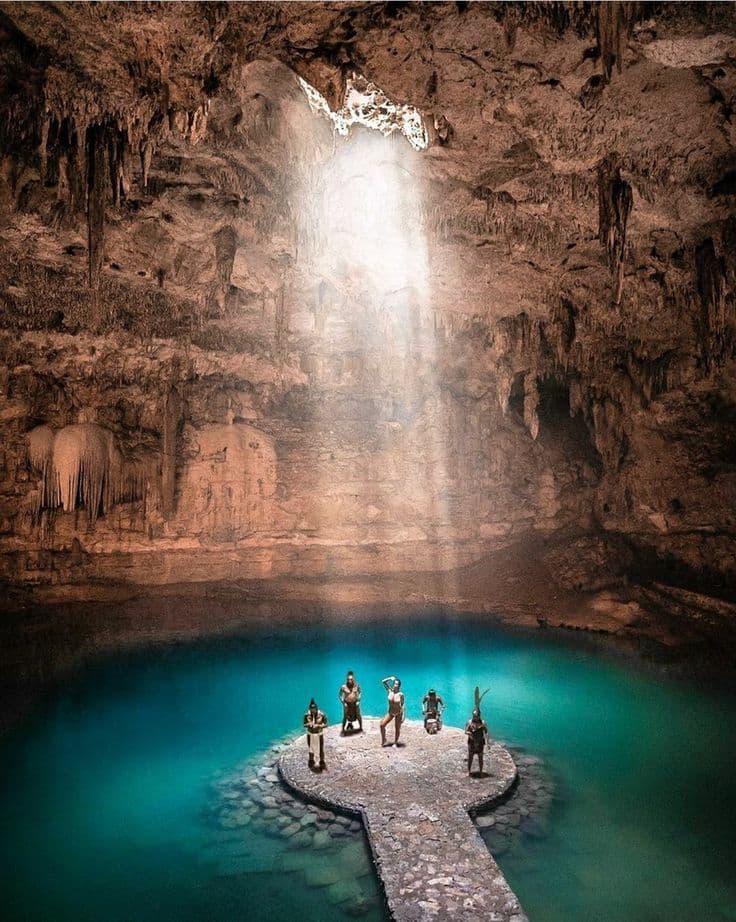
104 794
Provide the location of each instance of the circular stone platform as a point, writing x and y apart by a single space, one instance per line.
414 801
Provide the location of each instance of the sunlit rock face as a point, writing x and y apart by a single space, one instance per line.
354 289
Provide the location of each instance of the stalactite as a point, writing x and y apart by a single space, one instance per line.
511 17
710 282
73 124
81 466
197 124
615 200
226 245
614 25
96 188
608 433
504 383
40 455
124 170
40 447
496 216
562 329
531 402
116 147
146 152
575 397
115 484
78 162
136 479
172 415
44 148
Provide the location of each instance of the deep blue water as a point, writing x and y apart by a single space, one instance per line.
103 793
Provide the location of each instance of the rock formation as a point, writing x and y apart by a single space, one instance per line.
237 328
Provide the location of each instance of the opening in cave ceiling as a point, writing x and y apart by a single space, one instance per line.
365 104
361 208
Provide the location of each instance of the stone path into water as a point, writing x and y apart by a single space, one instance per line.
415 801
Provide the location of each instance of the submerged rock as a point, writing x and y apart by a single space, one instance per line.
327 849
321 839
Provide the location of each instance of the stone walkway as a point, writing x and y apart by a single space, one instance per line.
415 801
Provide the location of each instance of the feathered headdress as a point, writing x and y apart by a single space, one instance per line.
478 698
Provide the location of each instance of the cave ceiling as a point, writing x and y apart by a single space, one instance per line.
575 199
525 113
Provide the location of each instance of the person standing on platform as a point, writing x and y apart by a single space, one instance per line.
315 722
349 695
432 708
395 708
476 731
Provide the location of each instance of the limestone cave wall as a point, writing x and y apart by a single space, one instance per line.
206 375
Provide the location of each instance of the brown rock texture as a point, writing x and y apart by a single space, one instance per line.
272 350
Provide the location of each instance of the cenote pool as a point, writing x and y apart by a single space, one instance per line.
106 801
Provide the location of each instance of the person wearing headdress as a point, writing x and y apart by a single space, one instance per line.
315 722
432 708
349 696
476 731
395 708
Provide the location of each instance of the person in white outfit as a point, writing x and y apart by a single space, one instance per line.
315 723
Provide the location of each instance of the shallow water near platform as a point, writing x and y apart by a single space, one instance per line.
107 793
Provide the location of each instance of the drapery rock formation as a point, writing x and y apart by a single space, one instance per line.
231 347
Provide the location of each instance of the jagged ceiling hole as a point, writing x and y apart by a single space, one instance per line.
361 214
365 104
362 207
